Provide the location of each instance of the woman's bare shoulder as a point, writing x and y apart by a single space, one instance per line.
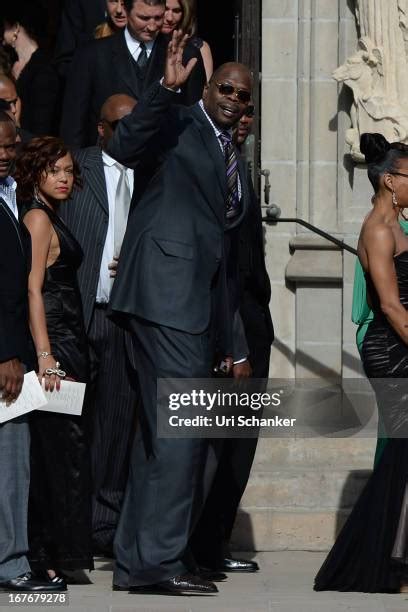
37 220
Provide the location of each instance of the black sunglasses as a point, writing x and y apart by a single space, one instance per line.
399 174
226 89
249 111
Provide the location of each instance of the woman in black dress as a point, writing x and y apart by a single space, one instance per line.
59 505
371 552
23 25
181 15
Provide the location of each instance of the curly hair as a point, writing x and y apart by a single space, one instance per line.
36 158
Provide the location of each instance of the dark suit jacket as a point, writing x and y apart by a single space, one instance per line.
173 259
255 285
15 263
38 88
78 22
105 67
87 216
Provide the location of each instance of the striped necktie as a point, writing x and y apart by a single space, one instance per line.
231 163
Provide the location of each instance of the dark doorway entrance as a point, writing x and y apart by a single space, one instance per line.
216 25
232 28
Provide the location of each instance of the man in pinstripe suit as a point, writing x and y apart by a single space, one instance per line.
114 393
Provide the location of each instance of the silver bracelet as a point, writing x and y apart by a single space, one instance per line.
44 354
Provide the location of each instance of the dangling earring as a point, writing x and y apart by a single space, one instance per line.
394 199
15 36
37 194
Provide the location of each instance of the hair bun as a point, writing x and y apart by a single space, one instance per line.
374 147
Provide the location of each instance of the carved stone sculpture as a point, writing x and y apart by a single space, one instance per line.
378 72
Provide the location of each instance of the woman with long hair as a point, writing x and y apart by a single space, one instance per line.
371 552
59 505
181 15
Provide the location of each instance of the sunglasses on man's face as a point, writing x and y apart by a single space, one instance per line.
226 89
249 111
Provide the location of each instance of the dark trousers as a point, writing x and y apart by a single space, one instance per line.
14 486
210 540
113 401
167 479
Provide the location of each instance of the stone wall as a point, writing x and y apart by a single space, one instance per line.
304 119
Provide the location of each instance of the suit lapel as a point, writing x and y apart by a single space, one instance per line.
214 151
8 213
95 177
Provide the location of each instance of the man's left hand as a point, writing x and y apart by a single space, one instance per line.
242 370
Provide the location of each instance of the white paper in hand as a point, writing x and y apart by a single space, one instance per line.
31 398
68 400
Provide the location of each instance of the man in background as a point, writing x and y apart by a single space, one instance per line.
78 22
15 357
128 62
97 216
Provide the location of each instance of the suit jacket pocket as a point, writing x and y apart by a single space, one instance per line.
173 248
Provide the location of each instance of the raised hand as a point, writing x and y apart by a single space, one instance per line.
175 74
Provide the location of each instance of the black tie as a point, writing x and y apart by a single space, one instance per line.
142 59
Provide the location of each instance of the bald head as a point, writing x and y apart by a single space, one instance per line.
117 106
8 93
113 110
7 144
225 70
228 94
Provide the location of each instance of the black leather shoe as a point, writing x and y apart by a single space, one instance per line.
228 564
117 587
28 584
43 576
179 585
211 574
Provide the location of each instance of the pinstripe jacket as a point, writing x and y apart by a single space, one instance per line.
87 216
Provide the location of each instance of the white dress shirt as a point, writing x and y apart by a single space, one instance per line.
8 192
134 45
112 175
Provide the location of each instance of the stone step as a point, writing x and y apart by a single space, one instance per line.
329 452
304 488
272 530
